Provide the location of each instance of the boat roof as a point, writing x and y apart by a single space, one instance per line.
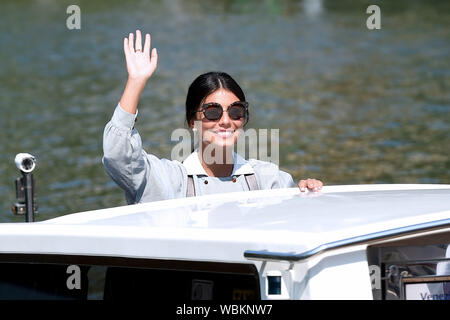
219 227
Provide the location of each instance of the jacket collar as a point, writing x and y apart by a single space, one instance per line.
194 167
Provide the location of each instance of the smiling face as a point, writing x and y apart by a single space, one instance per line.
225 131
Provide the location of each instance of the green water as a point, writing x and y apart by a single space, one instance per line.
353 106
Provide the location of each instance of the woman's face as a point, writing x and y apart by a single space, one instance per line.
223 132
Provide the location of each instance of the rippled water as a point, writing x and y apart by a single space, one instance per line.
353 106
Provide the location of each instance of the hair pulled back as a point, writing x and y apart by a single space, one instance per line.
204 85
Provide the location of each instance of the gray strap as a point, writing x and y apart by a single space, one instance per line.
190 187
250 178
251 181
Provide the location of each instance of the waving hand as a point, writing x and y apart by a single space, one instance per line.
140 65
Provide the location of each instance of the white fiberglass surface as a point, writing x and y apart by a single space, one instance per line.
299 213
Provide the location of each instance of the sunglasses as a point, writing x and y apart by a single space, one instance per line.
237 110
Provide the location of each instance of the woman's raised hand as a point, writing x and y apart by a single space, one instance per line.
140 65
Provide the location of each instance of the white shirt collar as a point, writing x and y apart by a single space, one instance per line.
194 167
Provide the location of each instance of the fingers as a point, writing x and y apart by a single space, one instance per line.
154 59
302 185
154 53
131 42
320 184
147 44
311 184
138 41
126 47
134 48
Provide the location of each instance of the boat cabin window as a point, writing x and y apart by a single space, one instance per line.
411 269
42 277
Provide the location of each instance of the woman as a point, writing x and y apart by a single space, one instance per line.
218 105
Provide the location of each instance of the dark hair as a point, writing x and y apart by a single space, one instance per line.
204 85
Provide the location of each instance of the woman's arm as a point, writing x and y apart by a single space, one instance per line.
140 67
144 177
123 159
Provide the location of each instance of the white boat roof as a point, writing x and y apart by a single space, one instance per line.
221 227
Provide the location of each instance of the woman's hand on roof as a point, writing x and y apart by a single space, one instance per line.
310 184
140 65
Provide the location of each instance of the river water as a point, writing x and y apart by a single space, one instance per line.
353 105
